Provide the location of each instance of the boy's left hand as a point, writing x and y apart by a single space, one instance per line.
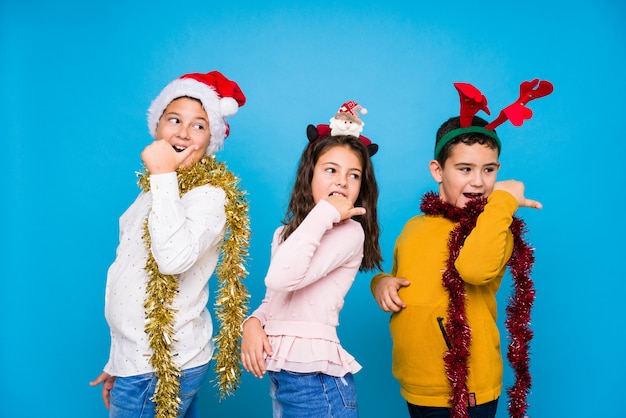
516 188
160 157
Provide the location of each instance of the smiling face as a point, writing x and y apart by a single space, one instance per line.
469 172
337 171
184 123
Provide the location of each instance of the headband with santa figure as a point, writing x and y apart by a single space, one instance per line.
472 100
345 122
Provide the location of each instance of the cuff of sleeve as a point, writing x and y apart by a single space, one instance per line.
375 281
330 209
253 316
164 185
505 198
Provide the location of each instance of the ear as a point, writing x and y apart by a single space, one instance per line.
372 149
311 133
436 170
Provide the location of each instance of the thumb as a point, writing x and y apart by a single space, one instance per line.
97 381
267 347
186 155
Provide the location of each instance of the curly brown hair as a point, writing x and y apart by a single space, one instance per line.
468 138
301 201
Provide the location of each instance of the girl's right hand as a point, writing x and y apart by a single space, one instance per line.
345 208
254 346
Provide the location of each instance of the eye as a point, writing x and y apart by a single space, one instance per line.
174 120
330 170
355 176
199 126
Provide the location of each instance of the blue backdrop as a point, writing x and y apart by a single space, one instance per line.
76 79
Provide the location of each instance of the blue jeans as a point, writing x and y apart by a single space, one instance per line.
130 396
317 395
486 410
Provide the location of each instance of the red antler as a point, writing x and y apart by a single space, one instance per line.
472 100
517 112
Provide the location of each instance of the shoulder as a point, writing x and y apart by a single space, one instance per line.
277 233
417 221
503 199
349 228
426 226
353 225
324 210
208 191
207 200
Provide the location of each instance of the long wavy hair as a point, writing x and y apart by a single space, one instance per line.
301 201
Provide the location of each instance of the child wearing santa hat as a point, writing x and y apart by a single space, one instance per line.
189 210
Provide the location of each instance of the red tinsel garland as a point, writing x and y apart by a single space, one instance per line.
518 310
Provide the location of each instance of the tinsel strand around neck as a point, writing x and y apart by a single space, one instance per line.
518 310
231 296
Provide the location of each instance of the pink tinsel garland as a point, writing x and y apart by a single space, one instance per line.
518 310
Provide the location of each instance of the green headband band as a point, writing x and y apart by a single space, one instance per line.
460 131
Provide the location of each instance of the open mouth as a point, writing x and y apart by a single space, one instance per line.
178 148
337 194
472 195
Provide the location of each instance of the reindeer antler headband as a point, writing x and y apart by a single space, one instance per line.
472 100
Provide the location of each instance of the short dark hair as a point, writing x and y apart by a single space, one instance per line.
466 138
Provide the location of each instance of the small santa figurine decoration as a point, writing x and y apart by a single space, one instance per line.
345 122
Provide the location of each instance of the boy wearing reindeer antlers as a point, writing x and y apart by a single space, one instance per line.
448 265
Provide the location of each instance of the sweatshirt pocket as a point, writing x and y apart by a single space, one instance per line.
442 328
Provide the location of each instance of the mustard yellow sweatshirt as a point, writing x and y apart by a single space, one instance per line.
420 256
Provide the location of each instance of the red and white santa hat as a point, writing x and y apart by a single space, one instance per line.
220 98
352 108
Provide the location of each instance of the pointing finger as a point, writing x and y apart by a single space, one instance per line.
529 203
357 211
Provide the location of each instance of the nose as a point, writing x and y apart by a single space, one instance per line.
477 179
182 133
341 181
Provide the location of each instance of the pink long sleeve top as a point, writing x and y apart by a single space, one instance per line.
308 278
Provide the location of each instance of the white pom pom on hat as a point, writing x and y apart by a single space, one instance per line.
228 106
220 98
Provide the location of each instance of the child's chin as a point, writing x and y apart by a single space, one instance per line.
190 163
460 203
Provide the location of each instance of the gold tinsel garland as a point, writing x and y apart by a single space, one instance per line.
231 296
